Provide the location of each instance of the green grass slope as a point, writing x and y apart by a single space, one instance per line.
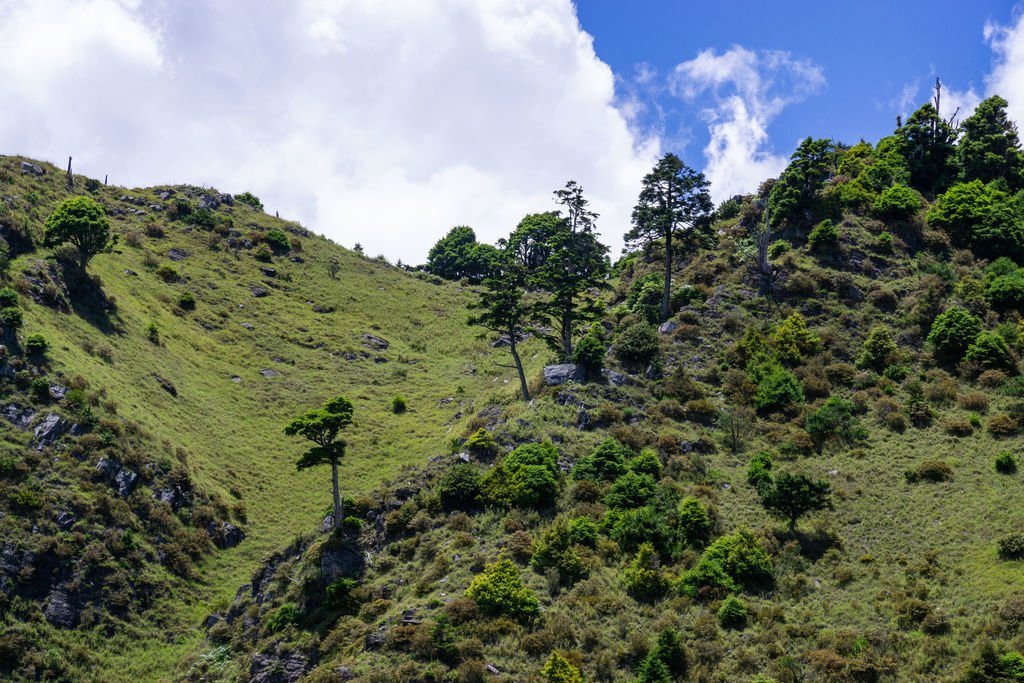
242 365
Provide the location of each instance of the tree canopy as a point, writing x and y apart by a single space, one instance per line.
321 426
83 223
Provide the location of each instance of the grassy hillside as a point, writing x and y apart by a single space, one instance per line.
240 366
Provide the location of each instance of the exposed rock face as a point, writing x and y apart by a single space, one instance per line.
224 534
51 429
375 342
615 378
17 415
33 169
268 271
272 668
555 375
259 292
346 560
125 482
177 254
61 610
667 327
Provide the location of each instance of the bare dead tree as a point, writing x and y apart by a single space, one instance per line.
71 178
761 231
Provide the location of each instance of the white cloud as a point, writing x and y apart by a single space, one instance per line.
749 89
372 122
1007 76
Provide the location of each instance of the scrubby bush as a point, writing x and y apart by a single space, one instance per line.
952 333
879 349
11 317
36 344
482 444
792 341
499 591
339 594
8 298
278 241
778 248
590 352
835 421
777 387
533 486
555 549
791 496
459 488
606 463
898 202
558 669
1006 463
638 344
644 298
398 405
167 273
759 471
732 563
694 522
931 471
1011 547
647 462
1003 425
543 454
733 613
187 301
979 215
631 490
284 616
583 531
249 199
989 350
644 579
631 528
824 236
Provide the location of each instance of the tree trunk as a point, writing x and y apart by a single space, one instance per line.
519 366
567 335
667 293
337 496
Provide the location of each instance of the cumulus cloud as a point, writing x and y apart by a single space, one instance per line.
379 123
1007 76
748 90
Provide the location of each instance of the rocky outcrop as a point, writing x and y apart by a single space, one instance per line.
554 375
51 429
274 668
224 534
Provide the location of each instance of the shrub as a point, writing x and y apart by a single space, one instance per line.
398 405
153 333
974 400
1011 547
555 550
263 253
733 613
187 301
645 295
701 411
898 202
759 471
953 332
36 344
8 298
824 236
583 531
631 490
644 579
733 562
558 669
980 215
499 591
482 444
957 426
278 241
1002 425
631 528
931 471
590 352
879 349
283 617
1006 463
694 522
11 317
167 273
1006 292
835 420
606 463
338 595
990 351
459 488
638 344
250 199
777 387
884 242
777 248
542 454
792 340
791 496
533 486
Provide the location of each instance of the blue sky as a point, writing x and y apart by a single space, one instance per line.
871 53
388 122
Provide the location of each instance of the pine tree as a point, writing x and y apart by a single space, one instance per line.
990 148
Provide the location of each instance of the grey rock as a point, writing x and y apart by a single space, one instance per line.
270 373
58 391
652 372
65 520
60 609
493 670
259 292
165 194
125 482
504 339
212 620
34 169
345 673
248 326
615 378
177 254
18 416
108 470
236 379
373 641
667 327
174 496
166 385
209 202
375 342
130 273
583 420
555 375
268 271
52 429
346 560
270 668
224 534
226 199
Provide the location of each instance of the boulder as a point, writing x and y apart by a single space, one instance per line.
224 534
65 520
268 271
259 292
52 429
270 373
60 609
615 378
208 201
555 375
375 342
177 254
271 668
58 391
125 482
667 327
108 470
346 560
34 169
18 416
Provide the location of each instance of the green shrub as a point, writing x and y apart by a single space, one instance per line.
167 273
542 454
558 669
644 578
631 490
284 616
555 550
638 344
653 670
646 463
9 465
482 444
979 215
930 470
459 487
898 202
1006 292
11 317
25 497
263 254
1006 463
952 333
153 333
694 522
791 496
606 463
686 295
1011 547
824 236
590 351
989 350
733 613
204 218
583 531
278 241
778 248
338 595
499 591
398 405
250 199
533 486
885 242
8 298
835 421
187 301
879 350
759 470
792 341
733 562
644 298
777 387
631 528
36 344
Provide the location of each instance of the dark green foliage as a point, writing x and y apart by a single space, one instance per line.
644 579
532 486
796 192
8 298
791 496
606 463
187 301
284 616
694 523
263 253
732 563
952 333
338 595
824 236
669 651
558 669
321 426
981 216
499 590
1011 547
835 420
638 344
1006 463
653 670
989 148
989 350
153 333
646 463
555 549
879 349
631 490
249 199
36 344
590 352
777 248
645 295
733 613
583 531
649 524
458 255
167 273
204 218
543 454
777 387
674 200
459 488
792 341
482 444
759 471
278 241
926 142
11 317
81 222
898 202
1005 291
398 405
